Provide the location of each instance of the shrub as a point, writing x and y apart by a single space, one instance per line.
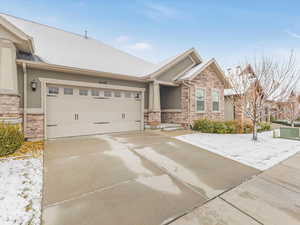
233 127
204 126
11 139
263 127
219 127
209 126
247 128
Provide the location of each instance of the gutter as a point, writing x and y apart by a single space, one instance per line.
59 68
24 97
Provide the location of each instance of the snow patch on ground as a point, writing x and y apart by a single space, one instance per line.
20 191
173 168
262 154
161 183
130 160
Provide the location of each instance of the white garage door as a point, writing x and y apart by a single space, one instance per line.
73 111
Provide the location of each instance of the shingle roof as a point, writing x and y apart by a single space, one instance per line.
58 47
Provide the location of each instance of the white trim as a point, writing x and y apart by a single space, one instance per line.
93 85
186 69
196 110
66 69
174 61
45 82
212 101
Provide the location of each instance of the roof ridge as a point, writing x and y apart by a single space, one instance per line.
76 34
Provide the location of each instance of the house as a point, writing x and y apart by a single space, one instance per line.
233 109
58 84
281 104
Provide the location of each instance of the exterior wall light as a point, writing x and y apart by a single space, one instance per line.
33 85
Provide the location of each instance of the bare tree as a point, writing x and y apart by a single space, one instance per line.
291 108
262 83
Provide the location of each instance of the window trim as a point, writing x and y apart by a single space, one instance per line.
204 96
98 91
212 101
70 89
53 94
108 91
83 89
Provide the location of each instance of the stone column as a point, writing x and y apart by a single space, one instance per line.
9 97
154 114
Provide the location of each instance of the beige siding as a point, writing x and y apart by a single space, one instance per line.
228 110
34 97
175 70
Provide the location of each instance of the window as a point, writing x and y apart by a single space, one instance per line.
53 90
68 91
107 94
215 101
200 99
127 94
117 94
95 92
83 92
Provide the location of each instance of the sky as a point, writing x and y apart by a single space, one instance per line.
230 31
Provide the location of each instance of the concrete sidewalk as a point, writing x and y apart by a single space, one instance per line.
271 198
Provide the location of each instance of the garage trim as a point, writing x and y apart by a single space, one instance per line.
45 82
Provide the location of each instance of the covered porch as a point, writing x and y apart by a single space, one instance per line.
164 105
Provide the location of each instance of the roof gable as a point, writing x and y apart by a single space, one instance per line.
195 71
16 35
169 63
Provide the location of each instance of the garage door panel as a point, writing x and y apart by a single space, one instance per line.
73 115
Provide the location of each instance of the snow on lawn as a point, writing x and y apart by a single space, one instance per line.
20 191
263 154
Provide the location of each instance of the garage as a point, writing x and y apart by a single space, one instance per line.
75 111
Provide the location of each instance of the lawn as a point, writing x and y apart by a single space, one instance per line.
21 187
262 154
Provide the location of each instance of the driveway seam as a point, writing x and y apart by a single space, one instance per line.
240 210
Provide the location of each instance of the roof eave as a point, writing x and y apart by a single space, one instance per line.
60 68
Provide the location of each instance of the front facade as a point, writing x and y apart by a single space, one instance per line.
55 90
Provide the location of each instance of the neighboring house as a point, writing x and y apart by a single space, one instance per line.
279 106
59 84
232 96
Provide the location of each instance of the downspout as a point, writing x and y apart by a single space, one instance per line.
24 97
189 101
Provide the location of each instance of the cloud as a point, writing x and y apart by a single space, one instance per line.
158 11
122 39
140 46
292 34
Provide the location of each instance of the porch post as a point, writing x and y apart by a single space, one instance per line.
9 96
154 115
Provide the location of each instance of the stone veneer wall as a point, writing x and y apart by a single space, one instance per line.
209 80
9 106
10 111
154 118
35 126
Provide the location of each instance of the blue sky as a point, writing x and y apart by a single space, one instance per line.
155 30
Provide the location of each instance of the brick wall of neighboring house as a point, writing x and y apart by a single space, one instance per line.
209 80
35 126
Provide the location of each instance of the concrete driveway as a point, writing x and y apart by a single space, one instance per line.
140 178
